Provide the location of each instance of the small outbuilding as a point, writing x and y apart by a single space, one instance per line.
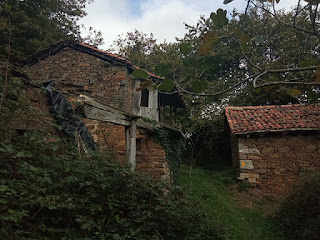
273 147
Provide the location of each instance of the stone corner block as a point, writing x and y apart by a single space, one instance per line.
246 164
250 177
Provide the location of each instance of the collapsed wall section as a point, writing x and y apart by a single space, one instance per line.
150 155
109 136
75 72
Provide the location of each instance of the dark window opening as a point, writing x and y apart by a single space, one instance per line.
144 98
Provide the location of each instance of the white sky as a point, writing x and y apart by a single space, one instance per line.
164 18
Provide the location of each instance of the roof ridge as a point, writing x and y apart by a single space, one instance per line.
56 47
115 56
269 106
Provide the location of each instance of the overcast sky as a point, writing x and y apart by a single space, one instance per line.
163 18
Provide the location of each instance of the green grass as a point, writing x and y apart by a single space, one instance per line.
225 208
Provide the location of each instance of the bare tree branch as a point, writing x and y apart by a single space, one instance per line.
245 55
284 82
292 69
181 90
285 23
314 18
255 78
297 14
288 83
247 7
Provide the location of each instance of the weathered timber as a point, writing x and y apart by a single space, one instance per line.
136 99
131 145
98 111
95 113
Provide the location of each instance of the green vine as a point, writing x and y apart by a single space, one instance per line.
174 145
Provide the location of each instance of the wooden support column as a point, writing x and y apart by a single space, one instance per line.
175 114
131 136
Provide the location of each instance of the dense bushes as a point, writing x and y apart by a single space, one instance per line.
299 214
46 195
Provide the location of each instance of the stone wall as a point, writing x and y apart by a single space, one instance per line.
276 163
108 136
150 156
77 73
34 113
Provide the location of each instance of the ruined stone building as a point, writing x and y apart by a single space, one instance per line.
273 147
99 85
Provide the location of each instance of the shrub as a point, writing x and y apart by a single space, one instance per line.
46 195
299 214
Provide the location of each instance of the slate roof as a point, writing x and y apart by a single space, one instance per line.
275 118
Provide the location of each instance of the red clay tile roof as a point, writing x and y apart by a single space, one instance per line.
276 118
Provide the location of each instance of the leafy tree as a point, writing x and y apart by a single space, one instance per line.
144 51
30 25
284 48
135 46
262 56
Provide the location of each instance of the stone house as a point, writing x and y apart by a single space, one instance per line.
98 86
274 146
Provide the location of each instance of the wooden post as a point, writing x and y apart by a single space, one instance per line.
136 98
131 136
175 114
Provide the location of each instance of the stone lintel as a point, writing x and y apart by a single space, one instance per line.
248 150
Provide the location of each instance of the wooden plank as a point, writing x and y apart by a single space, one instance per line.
98 111
136 99
153 105
133 150
94 103
128 144
106 116
131 145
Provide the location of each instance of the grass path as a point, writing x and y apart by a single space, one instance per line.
238 219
